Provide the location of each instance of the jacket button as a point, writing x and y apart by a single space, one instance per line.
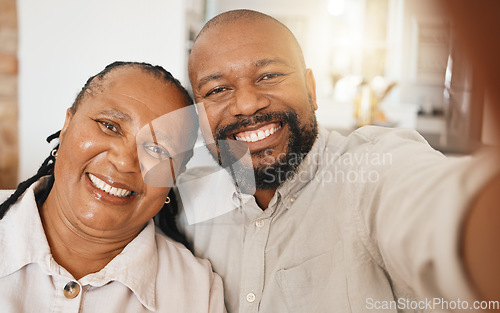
71 290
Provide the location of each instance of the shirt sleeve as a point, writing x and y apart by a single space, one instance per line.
216 295
415 215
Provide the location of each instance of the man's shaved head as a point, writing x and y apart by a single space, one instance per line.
244 15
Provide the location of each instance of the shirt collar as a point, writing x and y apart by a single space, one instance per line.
23 239
21 235
193 191
135 267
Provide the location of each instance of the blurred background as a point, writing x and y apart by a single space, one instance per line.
391 63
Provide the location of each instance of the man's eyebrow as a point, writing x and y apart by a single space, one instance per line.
209 78
114 113
265 62
259 63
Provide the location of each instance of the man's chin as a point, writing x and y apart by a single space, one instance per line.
271 177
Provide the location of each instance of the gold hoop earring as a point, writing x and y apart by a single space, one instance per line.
167 201
54 153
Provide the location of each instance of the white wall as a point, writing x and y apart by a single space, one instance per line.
423 92
62 43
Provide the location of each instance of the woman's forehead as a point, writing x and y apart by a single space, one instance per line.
138 90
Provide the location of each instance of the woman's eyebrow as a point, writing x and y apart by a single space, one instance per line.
117 114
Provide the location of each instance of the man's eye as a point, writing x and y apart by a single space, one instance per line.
215 91
156 151
270 76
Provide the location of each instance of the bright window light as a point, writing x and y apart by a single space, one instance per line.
336 7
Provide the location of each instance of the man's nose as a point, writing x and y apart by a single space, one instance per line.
248 100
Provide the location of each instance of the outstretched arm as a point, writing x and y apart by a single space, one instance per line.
481 230
481 242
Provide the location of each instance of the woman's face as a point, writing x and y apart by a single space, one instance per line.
98 183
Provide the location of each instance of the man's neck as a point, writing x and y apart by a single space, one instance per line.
263 197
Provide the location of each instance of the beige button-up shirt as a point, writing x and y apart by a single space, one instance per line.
370 221
152 273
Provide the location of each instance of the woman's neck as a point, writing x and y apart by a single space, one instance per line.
78 252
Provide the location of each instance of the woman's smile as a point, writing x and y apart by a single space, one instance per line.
114 191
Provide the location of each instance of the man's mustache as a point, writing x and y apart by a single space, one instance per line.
223 132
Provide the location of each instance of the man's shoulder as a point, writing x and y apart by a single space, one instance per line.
373 133
178 255
384 138
376 132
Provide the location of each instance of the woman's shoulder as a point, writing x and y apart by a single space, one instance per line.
5 193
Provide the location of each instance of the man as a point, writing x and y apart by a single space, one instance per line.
335 224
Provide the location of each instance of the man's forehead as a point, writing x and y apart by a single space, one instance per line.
249 29
240 35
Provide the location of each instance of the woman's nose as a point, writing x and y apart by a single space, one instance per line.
247 101
123 155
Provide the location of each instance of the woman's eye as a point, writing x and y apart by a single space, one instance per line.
109 126
156 151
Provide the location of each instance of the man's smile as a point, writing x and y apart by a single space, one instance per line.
258 134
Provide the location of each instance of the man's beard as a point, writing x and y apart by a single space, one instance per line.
276 169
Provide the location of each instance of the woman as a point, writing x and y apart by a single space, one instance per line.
81 238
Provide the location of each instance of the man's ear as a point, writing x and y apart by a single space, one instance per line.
311 88
69 116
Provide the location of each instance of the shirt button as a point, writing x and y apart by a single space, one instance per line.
292 199
71 290
251 297
259 223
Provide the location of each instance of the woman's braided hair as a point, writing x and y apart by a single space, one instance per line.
167 216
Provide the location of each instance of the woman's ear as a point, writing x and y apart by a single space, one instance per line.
69 116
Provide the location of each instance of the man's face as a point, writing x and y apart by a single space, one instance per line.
254 87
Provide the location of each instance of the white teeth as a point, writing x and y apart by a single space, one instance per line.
259 136
117 192
107 188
